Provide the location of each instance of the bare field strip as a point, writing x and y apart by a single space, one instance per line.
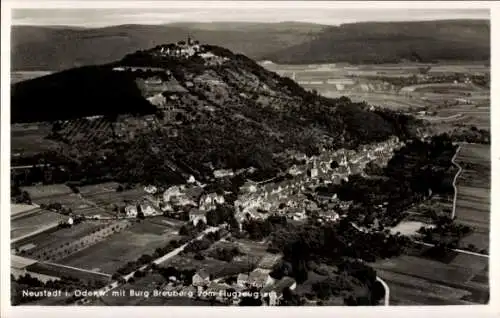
128 245
29 139
186 262
70 200
93 189
19 76
22 209
24 225
44 191
58 271
107 198
59 237
420 291
428 269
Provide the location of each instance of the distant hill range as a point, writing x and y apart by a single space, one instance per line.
392 42
57 48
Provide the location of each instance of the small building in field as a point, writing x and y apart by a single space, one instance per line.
260 278
131 210
191 179
222 173
242 279
196 215
274 292
201 279
147 209
150 189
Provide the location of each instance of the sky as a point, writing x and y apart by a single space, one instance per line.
329 16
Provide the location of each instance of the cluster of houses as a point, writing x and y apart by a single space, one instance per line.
286 196
270 290
179 198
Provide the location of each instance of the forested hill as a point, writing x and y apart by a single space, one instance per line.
75 93
222 111
42 48
392 42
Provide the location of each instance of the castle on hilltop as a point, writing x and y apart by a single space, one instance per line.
182 48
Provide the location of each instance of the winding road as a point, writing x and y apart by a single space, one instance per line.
387 291
455 181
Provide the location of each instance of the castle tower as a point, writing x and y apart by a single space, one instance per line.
344 160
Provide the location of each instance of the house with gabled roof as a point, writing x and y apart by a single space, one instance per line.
260 278
274 293
242 279
201 278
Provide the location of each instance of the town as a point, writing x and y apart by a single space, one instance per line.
190 174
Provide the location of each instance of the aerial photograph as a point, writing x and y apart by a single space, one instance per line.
219 156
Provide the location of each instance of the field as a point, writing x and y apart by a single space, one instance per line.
112 197
415 280
20 76
37 220
120 248
473 199
360 83
29 139
460 278
47 191
59 271
21 209
255 249
57 237
78 204
98 188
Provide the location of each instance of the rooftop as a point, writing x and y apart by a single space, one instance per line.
279 286
203 273
258 276
269 260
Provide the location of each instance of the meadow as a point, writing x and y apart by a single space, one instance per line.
19 76
29 139
417 280
58 238
47 192
128 245
33 222
106 198
473 198
360 82
59 271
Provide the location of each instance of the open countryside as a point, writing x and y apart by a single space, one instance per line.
194 172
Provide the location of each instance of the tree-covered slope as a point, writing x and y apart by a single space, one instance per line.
389 42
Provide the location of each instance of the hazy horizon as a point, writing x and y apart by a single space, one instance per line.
326 16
